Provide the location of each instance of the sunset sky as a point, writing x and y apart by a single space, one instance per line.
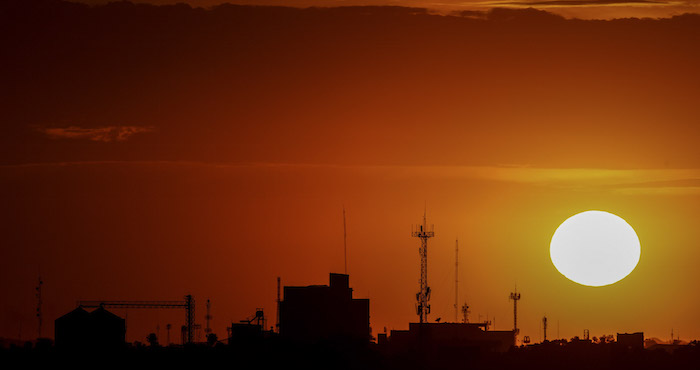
587 9
151 152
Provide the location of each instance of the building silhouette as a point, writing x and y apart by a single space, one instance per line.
446 340
631 341
250 329
97 329
72 329
324 312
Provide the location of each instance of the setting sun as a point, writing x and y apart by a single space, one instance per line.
595 248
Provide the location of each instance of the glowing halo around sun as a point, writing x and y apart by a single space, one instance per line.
595 248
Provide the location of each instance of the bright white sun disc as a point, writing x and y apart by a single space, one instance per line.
595 248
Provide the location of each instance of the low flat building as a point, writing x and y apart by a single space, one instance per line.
449 338
631 340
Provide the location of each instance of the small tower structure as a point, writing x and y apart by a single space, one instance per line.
423 296
515 297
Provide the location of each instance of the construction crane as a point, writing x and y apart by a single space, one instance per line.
187 304
423 295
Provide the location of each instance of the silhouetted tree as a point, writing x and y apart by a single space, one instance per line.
152 340
212 339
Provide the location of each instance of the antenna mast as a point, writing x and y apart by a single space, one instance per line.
515 296
207 330
345 243
465 313
456 279
38 306
544 327
277 324
423 296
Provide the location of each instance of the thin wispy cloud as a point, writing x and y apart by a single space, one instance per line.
668 190
623 181
677 187
568 3
103 134
627 181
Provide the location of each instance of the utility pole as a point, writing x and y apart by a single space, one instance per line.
423 295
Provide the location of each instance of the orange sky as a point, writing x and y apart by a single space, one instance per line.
154 152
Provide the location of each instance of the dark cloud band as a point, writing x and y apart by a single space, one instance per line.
104 134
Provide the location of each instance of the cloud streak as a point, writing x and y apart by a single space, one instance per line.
575 3
102 134
622 181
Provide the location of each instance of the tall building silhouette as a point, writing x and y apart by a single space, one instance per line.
324 312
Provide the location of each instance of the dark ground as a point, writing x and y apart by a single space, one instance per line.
277 353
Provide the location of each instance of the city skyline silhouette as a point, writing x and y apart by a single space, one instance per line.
154 152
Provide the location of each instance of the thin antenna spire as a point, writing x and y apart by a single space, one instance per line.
456 279
39 303
277 323
345 242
